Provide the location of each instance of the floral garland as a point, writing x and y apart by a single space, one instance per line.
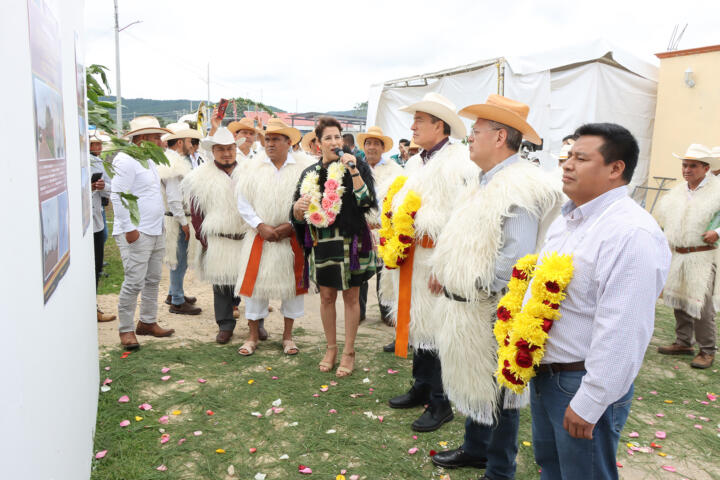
324 207
521 333
397 232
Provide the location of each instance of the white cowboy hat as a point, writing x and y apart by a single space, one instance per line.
144 125
375 132
564 152
222 137
439 106
181 130
701 153
275 125
506 111
98 136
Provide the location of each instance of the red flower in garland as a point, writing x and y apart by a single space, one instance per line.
547 324
552 287
412 214
382 241
405 239
388 214
519 274
523 358
503 314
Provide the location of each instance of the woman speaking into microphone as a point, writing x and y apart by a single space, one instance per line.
329 217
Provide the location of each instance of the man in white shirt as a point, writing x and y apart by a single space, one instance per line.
272 260
141 246
582 391
688 214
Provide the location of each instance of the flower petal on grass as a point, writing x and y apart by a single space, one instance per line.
124 399
164 370
304 470
413 451
176 412
260 476
202 380
164 419
125 423
634 435
669 468
391 371
277 403
100 454
197 433
253 450
660 434
105 388
219 450
165 378
161 468
145 406
332 410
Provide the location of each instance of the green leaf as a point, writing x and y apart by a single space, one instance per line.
129 201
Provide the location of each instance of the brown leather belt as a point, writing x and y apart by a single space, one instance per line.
702 248
560 367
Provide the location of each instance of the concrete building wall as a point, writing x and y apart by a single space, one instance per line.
685 115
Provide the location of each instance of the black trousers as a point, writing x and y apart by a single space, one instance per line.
99 246
384 311
428 376
224 300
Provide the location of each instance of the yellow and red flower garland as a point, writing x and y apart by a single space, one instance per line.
397 232
521 332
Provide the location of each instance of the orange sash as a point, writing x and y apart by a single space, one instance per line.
402 329
253 266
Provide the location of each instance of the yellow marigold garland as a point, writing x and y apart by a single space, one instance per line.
521 334
397 231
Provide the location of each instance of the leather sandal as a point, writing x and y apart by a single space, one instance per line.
289 346
344 371
249 346
325 367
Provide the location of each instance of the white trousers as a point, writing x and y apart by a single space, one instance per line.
257 308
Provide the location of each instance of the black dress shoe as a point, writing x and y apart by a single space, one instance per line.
413 398
458 458
390 347
433 418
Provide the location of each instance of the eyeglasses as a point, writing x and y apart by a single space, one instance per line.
474 133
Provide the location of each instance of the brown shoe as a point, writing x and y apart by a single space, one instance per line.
104 317
128 340
190 300
153 329
703 360
185 309
223 336
676 349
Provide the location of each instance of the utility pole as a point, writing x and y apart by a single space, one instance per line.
208 85
118 95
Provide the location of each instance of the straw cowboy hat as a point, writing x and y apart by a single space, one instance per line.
439 106
245 123
144 125
701 153
275 125
306 139
375 132
181 130
413 145
506 111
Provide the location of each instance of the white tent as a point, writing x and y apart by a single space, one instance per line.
595 82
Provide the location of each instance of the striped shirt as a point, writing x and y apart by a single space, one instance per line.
621 260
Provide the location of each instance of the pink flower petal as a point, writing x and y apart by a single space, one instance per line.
125 423
343 471
391 371
380 417
669 468
690 415
705 403
354 477
634 435
324 389
164 370
413 451
164 419
274 378
660 434
165 378
107 369
711 397
124 399
654 392
305 471
316 394
197 433
181 441
202 380
253 450
161 468
100 454
145 406
660 415
699 427
164 438
704 419
639 398
107 381
332 410
333 383
414 437
180 381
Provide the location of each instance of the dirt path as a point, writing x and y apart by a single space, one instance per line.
203 327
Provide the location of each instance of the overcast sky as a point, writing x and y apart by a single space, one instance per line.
324 55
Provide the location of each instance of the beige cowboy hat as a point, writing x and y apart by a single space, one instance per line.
144 125
181 130
245 123
375 132
439 106
701 153
306 139
413 145
275 125
506 111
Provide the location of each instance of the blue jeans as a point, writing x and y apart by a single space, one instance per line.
178 274
497 443
561 456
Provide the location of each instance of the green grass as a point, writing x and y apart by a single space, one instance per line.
362 445
112 283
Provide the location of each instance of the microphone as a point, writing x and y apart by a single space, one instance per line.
340 151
